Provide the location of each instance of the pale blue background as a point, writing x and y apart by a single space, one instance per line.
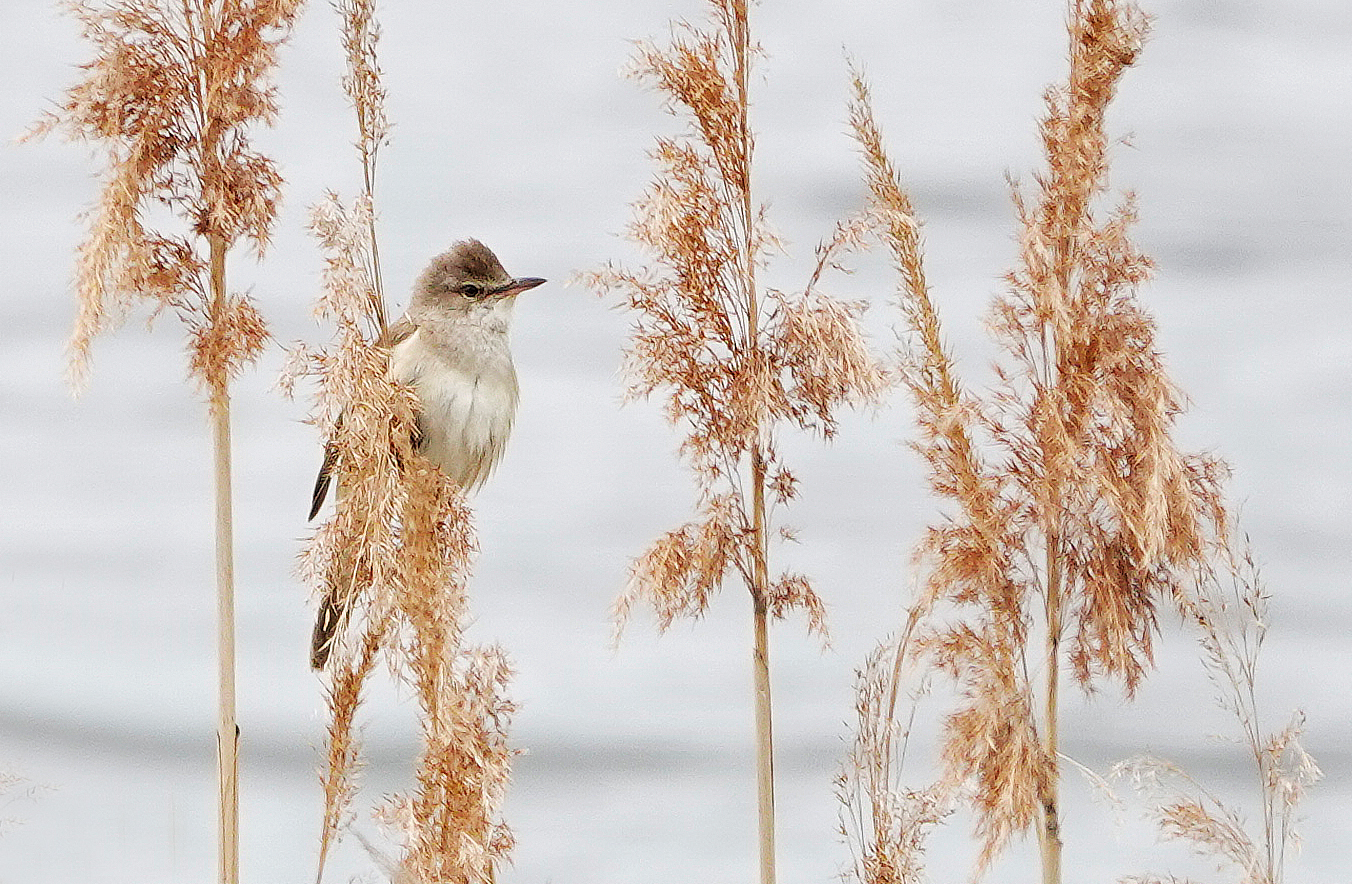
512 125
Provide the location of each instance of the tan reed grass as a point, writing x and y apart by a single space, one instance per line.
171 96
366 93
1073 515
1228 609
400 544
735 359
884 823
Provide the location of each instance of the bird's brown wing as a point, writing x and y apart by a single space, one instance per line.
324 478
392 335
332 613
333 610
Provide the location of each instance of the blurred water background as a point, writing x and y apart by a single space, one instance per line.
513 125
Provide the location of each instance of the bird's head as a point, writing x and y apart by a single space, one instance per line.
467 275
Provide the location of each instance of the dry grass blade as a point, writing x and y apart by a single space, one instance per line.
343 760
885 824
1228 610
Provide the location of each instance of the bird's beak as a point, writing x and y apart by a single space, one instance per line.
519 285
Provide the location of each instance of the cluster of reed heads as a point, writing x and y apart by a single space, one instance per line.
172 95
1071 519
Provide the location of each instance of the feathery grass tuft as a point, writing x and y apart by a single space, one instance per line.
1228 610
170 96
884 823
366 92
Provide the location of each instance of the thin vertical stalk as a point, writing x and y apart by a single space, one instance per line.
187 79
736 362
227 732
760 661
740 33
1063 262
1049 835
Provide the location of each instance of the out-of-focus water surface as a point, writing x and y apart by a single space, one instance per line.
512 124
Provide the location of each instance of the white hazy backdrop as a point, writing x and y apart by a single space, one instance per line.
513 124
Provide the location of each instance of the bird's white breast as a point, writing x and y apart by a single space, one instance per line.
467 389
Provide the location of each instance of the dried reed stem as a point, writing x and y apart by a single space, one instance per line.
366 92
171 95
227 731
885 823
356 549
1092 512
399 544
359 548
338 777
736 359
736 19
765 757
1049 833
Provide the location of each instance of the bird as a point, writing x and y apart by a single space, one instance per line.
451 346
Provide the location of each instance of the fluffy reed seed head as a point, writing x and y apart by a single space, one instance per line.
171 95
734 359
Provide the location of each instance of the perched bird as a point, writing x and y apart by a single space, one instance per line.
451 347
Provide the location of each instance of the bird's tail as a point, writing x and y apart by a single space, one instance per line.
332 614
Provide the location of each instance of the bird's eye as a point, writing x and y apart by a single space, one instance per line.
471 290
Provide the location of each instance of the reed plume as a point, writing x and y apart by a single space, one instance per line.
1073 514
399 545
366 93
170 97
735 359
1228 609
884 823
